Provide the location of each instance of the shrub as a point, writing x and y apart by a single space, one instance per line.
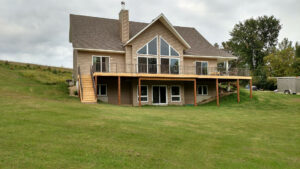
75 92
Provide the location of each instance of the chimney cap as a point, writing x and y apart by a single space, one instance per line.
123 5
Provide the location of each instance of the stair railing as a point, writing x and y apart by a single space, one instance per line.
80 84
93 80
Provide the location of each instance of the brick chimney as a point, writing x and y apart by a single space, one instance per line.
124 23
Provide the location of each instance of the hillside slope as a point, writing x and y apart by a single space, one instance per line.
42 127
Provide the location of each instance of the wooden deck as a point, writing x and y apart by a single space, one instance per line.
188 76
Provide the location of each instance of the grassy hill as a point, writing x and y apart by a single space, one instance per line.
42 127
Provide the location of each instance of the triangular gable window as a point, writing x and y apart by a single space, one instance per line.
166 49
150 48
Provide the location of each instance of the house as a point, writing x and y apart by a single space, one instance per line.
125 62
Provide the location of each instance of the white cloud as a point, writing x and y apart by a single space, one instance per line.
36 31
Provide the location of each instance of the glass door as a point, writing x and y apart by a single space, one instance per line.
159 94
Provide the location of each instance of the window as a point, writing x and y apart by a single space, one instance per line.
166 49
150 48
101 63
144 93
147 65
201 68
175 93
202 90
170 65
102 89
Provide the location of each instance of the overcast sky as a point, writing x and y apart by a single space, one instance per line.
36 31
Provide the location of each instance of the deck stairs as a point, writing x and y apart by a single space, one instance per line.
88 94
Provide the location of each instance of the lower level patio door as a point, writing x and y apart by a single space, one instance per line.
159 94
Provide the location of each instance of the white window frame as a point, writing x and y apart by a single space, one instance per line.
170 64
99 89
202 90
101 62
176 95
155 57
160 37
147 49
137 93
159 96
201 66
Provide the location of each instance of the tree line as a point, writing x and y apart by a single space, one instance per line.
255 43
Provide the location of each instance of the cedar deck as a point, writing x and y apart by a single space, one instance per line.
176 77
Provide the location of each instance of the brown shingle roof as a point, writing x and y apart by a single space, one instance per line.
102 33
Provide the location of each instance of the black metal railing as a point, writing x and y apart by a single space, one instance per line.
80 84
93 80
172 69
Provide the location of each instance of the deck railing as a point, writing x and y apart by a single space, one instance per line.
80 84
93 81
166 69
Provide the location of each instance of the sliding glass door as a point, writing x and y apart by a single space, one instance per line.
101 63
159 94
201 68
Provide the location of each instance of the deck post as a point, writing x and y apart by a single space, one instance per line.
250 88
195 97
238 90
140 104
217 91
119 90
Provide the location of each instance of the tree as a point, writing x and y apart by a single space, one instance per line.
254 39
280 61
216 45
297 46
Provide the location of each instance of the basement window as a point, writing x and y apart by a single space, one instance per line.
202 90
144 93
175 93
102 90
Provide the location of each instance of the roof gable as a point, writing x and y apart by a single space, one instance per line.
167 24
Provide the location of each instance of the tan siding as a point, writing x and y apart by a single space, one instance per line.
150 84
189 91
190 64
75 53
157 29
117 61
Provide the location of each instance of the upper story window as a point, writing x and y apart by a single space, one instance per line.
201 67
101 63
150 48
166 49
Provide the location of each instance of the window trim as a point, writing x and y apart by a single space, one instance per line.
202 90
160 37
137 93
201 66
137 64
147 48
170 64
100 56
176 95
99 89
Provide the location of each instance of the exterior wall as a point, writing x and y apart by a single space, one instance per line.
189 91
112 90
157 29
190 64
84 60
150 84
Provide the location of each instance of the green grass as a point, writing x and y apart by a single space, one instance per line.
42 127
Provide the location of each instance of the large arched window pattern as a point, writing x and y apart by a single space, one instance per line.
166 49
150 48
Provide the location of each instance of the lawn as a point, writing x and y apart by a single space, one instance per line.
42 127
